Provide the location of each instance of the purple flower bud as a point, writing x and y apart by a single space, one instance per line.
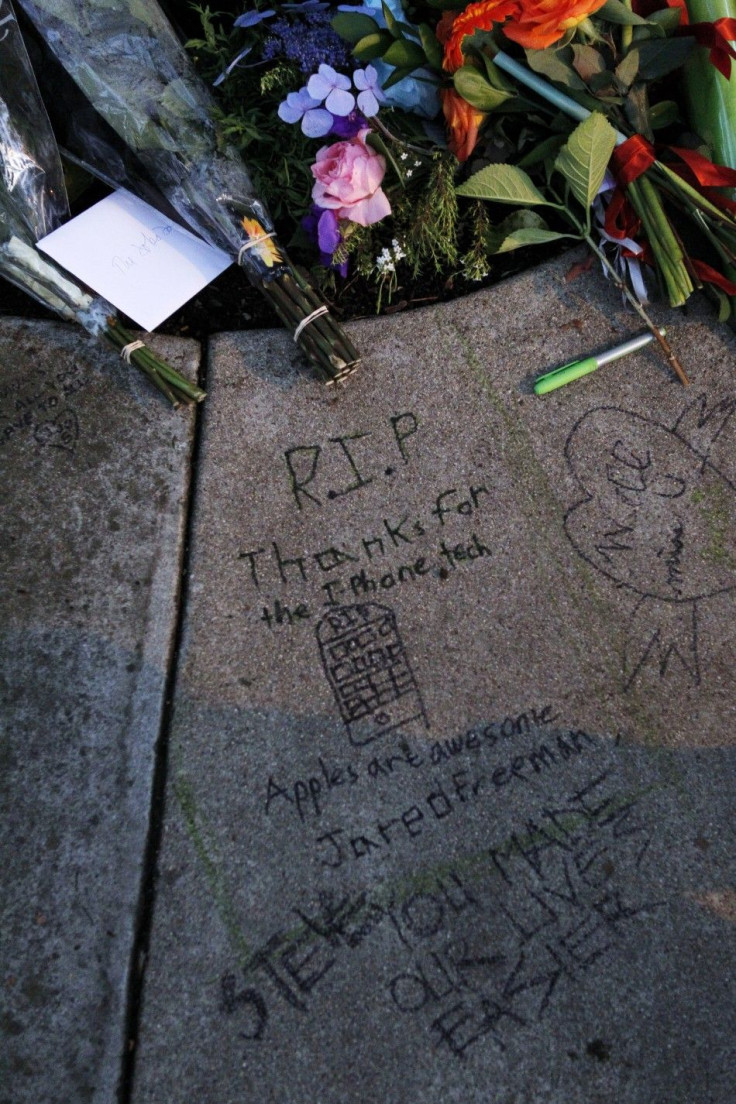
328 232
324 230
348 126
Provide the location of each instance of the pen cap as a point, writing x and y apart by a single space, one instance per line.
564 375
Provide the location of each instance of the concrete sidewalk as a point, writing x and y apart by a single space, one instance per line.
96 472
448 767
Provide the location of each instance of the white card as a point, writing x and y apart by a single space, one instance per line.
143 263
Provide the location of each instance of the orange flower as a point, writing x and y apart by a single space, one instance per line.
463 122
476 17
264 248
539 23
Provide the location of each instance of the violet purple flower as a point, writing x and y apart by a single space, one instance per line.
370 92
306 6
301 107
252 18
347 126
331 87
323 228
305 39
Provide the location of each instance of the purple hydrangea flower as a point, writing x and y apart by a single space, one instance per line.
307 40
252 18
370 91
306 6
301 107
332 88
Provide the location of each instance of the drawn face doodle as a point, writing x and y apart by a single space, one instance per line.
644 520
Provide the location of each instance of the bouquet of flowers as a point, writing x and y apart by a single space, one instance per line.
565 111
125 57
33 202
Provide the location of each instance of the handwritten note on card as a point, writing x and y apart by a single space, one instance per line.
128 252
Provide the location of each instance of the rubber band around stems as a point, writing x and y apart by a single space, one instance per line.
310 318
252 242
127 351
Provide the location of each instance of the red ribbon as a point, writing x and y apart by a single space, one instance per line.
632 158
715 37
621 220
712 276
703 171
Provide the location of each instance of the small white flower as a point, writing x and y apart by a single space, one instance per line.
403 156
409 172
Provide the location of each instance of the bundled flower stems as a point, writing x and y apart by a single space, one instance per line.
710 91
127 60
710 88
33 202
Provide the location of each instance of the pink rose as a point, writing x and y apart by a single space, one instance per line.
348 179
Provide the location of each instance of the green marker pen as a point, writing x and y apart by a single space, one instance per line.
577 368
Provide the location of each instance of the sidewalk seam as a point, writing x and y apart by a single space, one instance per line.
147 890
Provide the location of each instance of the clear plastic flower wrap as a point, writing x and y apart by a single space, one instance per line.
126 58
33 202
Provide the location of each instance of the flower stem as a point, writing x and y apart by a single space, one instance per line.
376 122
627 31
322 340
667 251
164 378
664 343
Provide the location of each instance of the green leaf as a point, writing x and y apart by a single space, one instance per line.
372 46
636 106
663 114
605 88
668 19
398 75
584 157
550 147
644 34
474 88
405 54
616 12
376 142
627 70
522 228
724 303
391 20
497 77
517 239
353 27
552 64
396 28
587 62
431 46
663 55
503 184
